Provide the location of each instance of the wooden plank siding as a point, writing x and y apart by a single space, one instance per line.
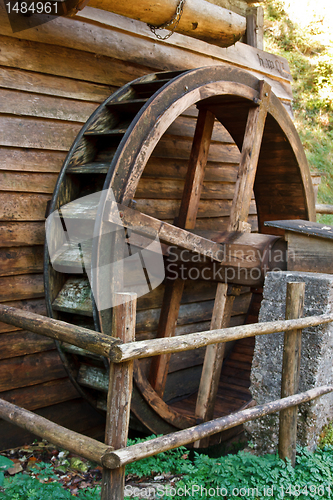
41 112
51 79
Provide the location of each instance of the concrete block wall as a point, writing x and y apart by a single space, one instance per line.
316 360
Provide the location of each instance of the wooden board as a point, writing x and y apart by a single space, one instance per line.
12 78
22 343
61 61
31 160
37 133
27 182
25 286
14 102
30 370
41 395
36 306
23 206
77 415
16 260
22 233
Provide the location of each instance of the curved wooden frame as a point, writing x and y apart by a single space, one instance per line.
199 87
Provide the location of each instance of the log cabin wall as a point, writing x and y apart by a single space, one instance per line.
51 79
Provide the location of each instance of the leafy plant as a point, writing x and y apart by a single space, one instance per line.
5 464
310 58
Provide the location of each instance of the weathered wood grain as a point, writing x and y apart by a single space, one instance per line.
202 20
34 305
137 452
24 286
30 370
37 133
77 443
42 395
30 160
27 182
13 78
22 343
119 396
21 260
291 372
23 206
14 102
97 343
62 61
154 347
22 233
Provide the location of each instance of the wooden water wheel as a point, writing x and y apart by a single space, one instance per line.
187 149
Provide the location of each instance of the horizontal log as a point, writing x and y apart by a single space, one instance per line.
37 133
169 168
31 160
154 347
95 342
29 370
22 343
42 395
24 286
18 260
77 415
60 436
12 78
324 209
200 19
140 451
65 62
167 233
23 206
20 234
27 182
13 102
34 305
127 34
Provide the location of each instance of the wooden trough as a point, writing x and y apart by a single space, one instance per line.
197 194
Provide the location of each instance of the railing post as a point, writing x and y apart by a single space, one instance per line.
291 372
119 396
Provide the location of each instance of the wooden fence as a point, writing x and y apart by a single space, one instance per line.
324 209
122 350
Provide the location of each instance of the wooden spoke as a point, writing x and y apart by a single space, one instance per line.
167 233
249 160
213 361
186 219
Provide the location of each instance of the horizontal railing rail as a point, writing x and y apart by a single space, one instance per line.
122 350
322 208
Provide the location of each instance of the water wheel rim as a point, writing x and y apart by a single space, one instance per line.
185 90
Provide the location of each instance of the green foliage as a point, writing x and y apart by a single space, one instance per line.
173 461
251 475
326 437
310 59
245 473
5 464
40 485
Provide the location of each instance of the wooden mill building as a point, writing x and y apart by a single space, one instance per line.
52 78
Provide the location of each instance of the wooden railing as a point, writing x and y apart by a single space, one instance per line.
122 350
324 209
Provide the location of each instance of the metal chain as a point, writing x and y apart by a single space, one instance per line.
173 23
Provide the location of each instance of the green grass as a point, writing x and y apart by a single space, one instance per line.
311 64
240 476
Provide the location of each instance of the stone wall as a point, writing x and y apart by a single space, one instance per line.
316 360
